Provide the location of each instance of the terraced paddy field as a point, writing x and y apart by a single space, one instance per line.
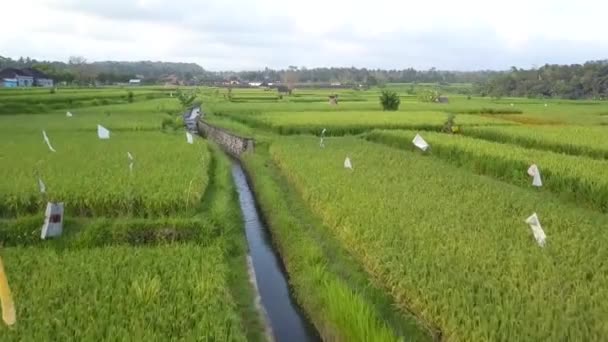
405 245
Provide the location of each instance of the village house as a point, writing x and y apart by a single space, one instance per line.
12 78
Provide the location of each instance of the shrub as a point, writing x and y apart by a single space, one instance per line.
130 96
390 100
428 95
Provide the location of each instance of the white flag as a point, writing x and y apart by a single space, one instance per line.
48 143
189 138
512 105
131 160
321 144
323 132
194 113
348 164
103 132
545 105
537 230
69 115
420 143
41 186
534 172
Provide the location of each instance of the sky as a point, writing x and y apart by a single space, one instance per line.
251 35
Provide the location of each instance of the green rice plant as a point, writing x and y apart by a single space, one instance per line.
575 140
169 292
452 246
578 178
356 122
93 177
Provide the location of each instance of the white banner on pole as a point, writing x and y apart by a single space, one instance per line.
189 138
68 114
53 221
534 172
102 132
131 160
537 230
47 141
420 142
348 164
41 186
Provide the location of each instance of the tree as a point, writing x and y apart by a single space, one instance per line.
428 95
390 100
84 73
291 78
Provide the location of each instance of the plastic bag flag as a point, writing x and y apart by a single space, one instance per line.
348 164
131 160
194 113
53 220
69 115
47 141
537 230
322 140
546 105
420 143
6 299
534 172
103 132
41 186
189 138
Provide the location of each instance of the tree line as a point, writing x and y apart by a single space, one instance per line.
576 81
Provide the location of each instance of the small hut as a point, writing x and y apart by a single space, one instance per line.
443 99
333 100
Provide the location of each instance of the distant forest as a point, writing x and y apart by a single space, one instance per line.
576 81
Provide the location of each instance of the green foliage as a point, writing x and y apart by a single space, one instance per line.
428 95
389 100
186 98
130 96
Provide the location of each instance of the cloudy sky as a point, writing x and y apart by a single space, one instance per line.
253 34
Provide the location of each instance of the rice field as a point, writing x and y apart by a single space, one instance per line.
152 245
408 245
443 232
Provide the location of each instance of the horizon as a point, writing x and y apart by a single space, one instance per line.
242 36
534 67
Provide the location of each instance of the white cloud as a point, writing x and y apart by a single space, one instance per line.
241 34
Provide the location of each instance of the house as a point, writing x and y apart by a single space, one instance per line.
11 77
134 82
255 84
40 79
8 83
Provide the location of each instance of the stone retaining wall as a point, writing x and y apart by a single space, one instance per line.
229 142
